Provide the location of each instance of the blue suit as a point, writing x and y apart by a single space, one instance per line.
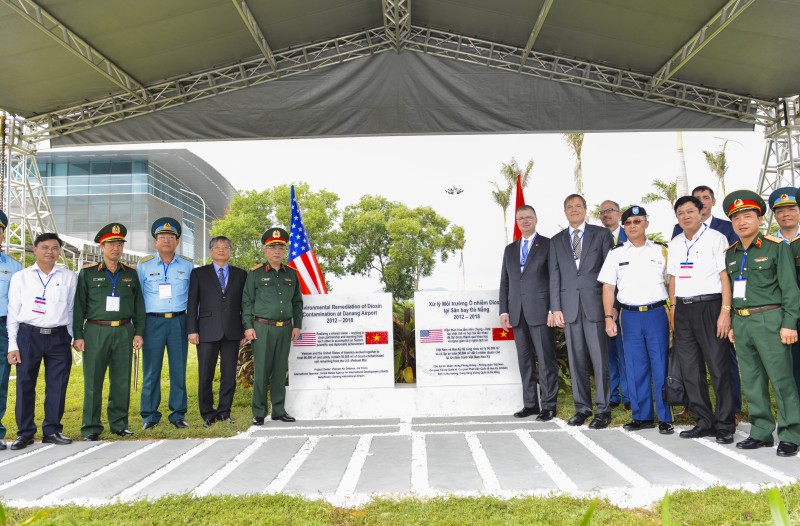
8 266
617 368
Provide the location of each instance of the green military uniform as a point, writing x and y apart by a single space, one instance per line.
771 281
107 343
272 304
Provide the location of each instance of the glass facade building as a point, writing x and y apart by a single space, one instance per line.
88 190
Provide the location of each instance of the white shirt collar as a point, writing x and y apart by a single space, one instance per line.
35 267
582 228
523 238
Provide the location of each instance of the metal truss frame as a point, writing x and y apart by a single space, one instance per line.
255 31
781 163
396 21
537 28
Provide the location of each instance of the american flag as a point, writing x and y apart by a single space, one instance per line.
306 339
302 257
431 336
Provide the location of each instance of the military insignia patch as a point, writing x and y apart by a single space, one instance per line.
115 229
275 233
761 259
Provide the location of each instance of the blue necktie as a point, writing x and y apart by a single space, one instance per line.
524 253
222 278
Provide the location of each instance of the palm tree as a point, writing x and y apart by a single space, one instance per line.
663 192
682 179
575 142
718 164
502 196
511 170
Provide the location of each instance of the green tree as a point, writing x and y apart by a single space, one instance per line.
502 193
502 196
252 212
399 243
575 142
663 192
718 165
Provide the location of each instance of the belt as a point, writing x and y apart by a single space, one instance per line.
644 308
43 330
277 323
755 310
167 315
115 323
698 299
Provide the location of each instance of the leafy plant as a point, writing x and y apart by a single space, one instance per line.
665 516
778 510
244 365
587 517
405 359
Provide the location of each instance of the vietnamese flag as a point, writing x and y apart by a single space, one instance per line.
377 337
520 200
502 334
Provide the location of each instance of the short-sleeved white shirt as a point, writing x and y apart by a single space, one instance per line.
637 272
696 264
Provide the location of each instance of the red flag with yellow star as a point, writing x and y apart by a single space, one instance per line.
500 333
376 337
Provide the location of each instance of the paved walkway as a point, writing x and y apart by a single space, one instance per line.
347 462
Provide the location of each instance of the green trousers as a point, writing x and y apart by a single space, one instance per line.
763 359
271 362
106 348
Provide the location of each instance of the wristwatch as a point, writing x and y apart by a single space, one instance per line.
610 316
726 307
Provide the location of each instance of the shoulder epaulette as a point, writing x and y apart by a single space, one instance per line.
146 258
793 240
124 266
89 265
190 260
257 266
732 246
774 239
661 243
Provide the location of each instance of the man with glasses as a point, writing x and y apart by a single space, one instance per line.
8 266
272 312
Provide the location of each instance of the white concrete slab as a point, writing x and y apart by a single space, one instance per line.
323 469
450 464
254 475
387 468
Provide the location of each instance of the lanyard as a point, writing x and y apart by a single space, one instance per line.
44 285
689 247
573 245
741 267
523 259
113 282
166 267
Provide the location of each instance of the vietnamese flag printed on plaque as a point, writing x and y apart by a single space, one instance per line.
377 337
502 334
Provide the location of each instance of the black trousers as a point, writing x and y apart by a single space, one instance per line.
697 346
536 343
207 353
54 350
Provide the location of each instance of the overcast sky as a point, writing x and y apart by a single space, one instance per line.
417 170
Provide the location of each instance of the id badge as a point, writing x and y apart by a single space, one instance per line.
739 288
165 291
39 305
112 303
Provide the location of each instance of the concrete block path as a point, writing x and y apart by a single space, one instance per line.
348 462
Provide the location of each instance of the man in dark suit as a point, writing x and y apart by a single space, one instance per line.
576 298
215 326
524 305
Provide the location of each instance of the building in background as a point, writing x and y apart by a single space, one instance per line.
89 189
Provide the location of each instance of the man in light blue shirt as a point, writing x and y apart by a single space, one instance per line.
165 284
8 266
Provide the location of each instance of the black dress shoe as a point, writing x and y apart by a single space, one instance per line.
56 438
724 437
149 425
666 428
209 422
614 405
258 420
3 445
600 421
92 437
578 419
546 415
180 424
786 449
21 443
123 433
286 417
527 411
627 406
637 425
696 432
754 443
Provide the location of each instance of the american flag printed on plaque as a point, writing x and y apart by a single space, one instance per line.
431 336
306 339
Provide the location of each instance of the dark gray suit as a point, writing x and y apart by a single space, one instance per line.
525 297
579 296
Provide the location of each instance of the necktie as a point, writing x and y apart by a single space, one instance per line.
576 243
524 253
222 279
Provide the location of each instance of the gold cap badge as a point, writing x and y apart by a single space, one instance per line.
115 229
275 233
738 203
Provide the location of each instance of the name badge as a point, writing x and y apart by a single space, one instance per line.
165 291
39 305
112 303
740 288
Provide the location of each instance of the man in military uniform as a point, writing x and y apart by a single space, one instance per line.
165 287
8 266
766 304
109 314
272 312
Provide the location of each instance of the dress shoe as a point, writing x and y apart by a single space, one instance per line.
724 437
149 425
3 445
258 420
697 432
614 405
786 449
637 425
666 428
56 438
627 406
180 424
209 422
578 419
21 443
527 411
286 417
754 443
123 433
600 421
546 415
92 437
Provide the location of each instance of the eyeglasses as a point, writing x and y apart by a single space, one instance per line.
636 222
608 211
525 218
49 249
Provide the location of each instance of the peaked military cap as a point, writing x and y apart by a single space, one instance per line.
3 219
786 196
743 200
634 211
111 232
275 235
166 225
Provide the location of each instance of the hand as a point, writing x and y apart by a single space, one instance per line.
194 338
611 327
505 323
295 333
242 341
13 357
724 324
788 336
550 322
137 342
558 319
249 334
78 345
730 336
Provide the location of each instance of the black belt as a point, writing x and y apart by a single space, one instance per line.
166 314
277 323
644 308
107 323
43 330
698 299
